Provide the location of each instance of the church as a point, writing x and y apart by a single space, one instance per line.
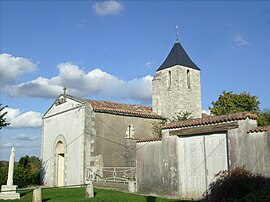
78 134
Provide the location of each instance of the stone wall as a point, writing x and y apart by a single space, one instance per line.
157 168
173 92
183 167
111 140
249 150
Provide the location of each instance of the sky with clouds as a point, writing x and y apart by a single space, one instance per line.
110 50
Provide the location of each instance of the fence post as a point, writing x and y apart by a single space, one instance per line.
131 185
89 190
37 195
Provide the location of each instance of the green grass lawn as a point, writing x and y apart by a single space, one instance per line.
78 194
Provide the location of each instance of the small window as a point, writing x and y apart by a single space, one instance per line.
170 80
130 131
188 79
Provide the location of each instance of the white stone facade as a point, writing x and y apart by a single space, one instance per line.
177 89
64 124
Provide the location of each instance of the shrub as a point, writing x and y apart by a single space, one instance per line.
237 184
26 172
3 174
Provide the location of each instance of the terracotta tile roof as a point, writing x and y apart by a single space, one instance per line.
123 109
260 129
211 120
148 140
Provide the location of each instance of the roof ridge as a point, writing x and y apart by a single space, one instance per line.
116 103
122 108
211 120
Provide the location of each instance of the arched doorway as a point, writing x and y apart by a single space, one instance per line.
60 163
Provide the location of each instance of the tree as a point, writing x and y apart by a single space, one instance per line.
229 103
181 116
264 118
3 122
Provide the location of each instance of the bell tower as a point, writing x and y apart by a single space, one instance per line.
176 86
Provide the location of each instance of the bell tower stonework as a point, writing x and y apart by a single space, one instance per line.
176 86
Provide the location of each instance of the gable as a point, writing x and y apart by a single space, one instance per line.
63 103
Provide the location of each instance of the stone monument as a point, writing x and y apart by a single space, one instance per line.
9 191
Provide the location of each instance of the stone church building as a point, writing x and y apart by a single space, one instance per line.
82 136
80 133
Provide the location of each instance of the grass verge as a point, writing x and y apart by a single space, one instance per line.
78 194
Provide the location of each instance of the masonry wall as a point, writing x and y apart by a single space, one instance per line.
157 172
112 148
65 123
173 92
183 167
249 150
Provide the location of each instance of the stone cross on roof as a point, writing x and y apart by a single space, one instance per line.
65 90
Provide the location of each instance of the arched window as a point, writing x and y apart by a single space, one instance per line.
188 79
170 80
130 131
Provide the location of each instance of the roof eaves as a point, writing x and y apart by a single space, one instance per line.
148 140
260 129
210 120
127 113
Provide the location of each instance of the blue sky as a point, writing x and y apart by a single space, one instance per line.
110 50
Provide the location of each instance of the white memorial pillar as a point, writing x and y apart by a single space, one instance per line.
9 191
11 167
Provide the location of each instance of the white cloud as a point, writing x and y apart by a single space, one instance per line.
11 67
23 137
9 145
107 7
80 83
206 111
240 40
148 65
18 119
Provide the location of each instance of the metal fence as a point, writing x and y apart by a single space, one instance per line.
110 174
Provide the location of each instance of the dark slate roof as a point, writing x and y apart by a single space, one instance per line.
123 109
178 56
211 120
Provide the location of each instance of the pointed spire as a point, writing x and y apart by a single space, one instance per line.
178 56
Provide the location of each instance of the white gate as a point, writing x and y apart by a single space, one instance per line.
201 157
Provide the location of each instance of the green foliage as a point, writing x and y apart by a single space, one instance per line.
263 118
229 102
3 122
157 127
3 173
237 185
26 172
182 116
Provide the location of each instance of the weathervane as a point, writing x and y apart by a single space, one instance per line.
177 32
